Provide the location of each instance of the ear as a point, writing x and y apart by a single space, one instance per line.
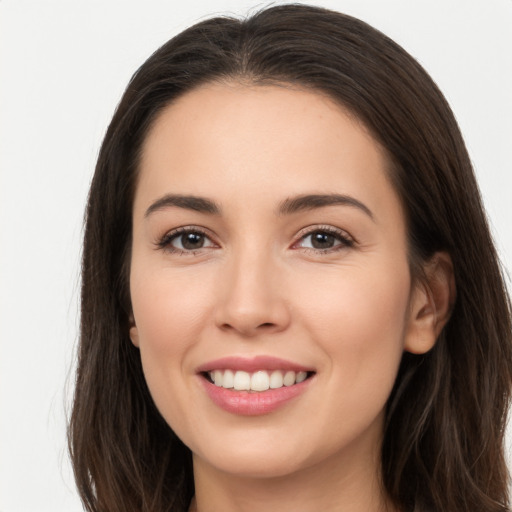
431 304
134 332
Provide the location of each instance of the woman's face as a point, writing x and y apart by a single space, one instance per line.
268 247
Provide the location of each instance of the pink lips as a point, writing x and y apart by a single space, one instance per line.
249 403
252 365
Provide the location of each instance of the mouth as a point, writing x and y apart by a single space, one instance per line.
256 382
254 386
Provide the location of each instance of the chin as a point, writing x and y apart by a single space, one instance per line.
261 464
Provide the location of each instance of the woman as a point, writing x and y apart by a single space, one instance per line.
290 295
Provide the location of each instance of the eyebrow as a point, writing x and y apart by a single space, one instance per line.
313 201
289 206
197 204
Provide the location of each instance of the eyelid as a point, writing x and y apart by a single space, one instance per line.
345 239
343 236
164 242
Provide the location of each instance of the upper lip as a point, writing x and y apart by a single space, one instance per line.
252 364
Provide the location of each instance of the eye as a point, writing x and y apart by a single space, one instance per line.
325 240
185 240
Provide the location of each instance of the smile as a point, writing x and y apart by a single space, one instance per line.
259 381
254 386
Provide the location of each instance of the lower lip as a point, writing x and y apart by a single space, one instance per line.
253 404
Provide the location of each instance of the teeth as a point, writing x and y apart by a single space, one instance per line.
258 381
301 377
217 377
289 379
242 381
227 381
276 379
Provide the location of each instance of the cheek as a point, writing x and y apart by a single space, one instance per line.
168 308
358 317
169 313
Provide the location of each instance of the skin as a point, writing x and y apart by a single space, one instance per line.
258 287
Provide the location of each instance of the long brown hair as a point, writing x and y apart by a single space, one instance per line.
443 439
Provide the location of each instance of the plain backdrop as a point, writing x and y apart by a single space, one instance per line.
64 65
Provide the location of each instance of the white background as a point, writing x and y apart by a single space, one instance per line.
64 65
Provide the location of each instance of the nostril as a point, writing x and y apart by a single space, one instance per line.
265 325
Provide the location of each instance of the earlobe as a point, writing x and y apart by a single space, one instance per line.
134 332
431 304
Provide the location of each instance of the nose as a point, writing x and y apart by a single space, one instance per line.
252 297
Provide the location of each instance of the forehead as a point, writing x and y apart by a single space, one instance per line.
228 139
217 109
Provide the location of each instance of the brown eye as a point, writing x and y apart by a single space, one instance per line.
185 241
189 241
322 240
325 240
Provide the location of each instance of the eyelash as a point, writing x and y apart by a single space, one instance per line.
165 243
345 240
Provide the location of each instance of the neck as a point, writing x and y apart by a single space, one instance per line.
336 484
